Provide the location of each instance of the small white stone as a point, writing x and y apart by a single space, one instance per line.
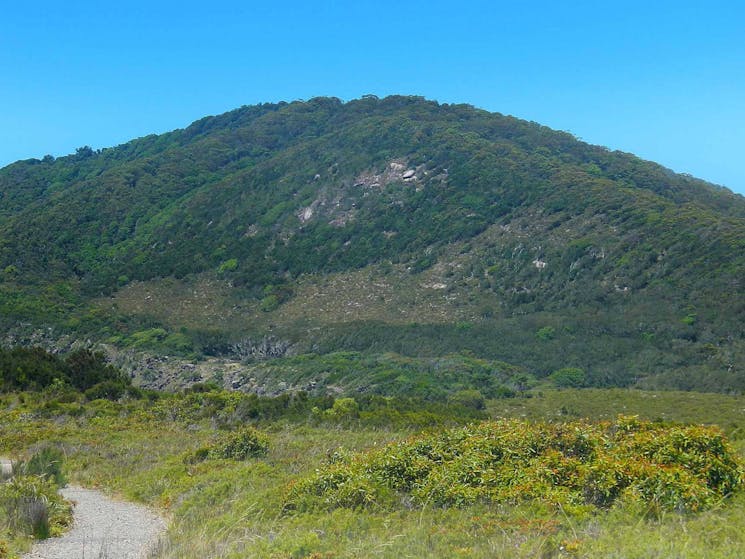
6 468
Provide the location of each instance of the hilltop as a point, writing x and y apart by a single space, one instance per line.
380 226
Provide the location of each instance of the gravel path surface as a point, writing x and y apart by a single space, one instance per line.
103 529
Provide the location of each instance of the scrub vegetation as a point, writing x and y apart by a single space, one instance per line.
447 332
380 225
30 506
295 476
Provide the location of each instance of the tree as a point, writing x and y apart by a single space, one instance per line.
568 377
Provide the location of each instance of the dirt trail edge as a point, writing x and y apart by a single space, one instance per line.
103 529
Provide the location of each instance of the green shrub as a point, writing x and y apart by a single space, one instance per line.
47 463
146 339
240 445
568 377
228 266
178 342
269 303
546 333
202 387
468 399
342 409
30 369
673 468
87 369
33 507
107 390
199 455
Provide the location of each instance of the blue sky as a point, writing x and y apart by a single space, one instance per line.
663 80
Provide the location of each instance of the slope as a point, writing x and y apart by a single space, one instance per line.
440 227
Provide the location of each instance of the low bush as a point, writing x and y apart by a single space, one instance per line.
46 462
568 377
468 399
579 466
343 409
240 445
111 390
237 445
231 408
32 506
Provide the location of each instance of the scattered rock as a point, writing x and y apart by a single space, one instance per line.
305 214
266 348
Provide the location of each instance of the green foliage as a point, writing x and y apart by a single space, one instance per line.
108 390
269 303
29 503
87 369
83 370
47 463
632 272
143 449
178 343
146 339
228 266
31 506
229 409
344 409
29 368
389 374
568 377
240 445
575 466
546 333
468 399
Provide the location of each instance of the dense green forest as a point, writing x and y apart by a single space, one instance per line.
375 226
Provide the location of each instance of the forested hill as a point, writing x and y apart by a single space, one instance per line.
382 225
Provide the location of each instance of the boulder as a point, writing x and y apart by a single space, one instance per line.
6 468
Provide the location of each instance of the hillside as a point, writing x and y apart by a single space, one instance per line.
380 225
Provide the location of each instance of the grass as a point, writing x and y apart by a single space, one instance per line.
726 411
30 506
226 508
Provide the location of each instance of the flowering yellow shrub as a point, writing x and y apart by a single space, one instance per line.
580 464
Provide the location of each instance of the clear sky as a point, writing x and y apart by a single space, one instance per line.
664 80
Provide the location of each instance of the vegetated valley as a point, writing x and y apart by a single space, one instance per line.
376 328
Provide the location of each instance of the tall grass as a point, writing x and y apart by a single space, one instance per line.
30 506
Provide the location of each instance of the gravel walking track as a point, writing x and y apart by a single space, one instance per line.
103 529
